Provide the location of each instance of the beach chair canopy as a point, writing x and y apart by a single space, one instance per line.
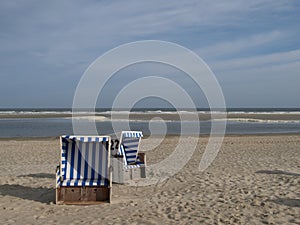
85 161
129 147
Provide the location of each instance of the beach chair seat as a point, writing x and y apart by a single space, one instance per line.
129 163
84 175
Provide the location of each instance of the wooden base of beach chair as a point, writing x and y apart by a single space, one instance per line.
83 195
123 176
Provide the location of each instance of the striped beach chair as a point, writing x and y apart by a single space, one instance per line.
84 175
131 162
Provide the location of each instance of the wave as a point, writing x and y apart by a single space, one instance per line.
265 112
160 120
92 118
251 120
158 112
202 112
33 112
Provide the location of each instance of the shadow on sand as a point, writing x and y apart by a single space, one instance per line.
279 172
40 175
287 202
283 201
43 195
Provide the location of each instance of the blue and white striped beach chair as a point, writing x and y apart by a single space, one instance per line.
130 157
84 174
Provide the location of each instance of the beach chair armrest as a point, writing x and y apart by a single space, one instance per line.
58 177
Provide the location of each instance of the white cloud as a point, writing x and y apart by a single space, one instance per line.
257 62
234 46
59 38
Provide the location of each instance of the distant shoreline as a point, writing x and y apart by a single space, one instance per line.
164 116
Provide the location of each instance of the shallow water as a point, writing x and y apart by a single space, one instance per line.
49 127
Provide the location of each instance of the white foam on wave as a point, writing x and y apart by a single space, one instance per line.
33 112
158 112
268 113
7 112
251 120
91 118
204 112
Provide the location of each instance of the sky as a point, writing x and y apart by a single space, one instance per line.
252 47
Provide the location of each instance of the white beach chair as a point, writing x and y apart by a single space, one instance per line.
129 162
84 175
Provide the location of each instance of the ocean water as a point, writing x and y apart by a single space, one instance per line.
59 125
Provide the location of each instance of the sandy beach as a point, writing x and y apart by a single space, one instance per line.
253 180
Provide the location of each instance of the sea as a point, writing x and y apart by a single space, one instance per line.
50 122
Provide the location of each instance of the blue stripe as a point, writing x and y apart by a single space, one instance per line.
72 160
66 160
131 140
100 164
68 183
106 170
93 162
131 148
91 182
130 151
79 159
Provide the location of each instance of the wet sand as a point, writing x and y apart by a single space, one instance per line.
253 180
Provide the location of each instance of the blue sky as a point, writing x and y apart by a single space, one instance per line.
253 47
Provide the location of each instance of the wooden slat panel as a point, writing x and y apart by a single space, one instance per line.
83 195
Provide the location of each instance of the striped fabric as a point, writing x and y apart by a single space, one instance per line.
129 147
87 138
132 134
58 176
84 161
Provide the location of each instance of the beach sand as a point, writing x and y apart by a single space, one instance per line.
253 180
